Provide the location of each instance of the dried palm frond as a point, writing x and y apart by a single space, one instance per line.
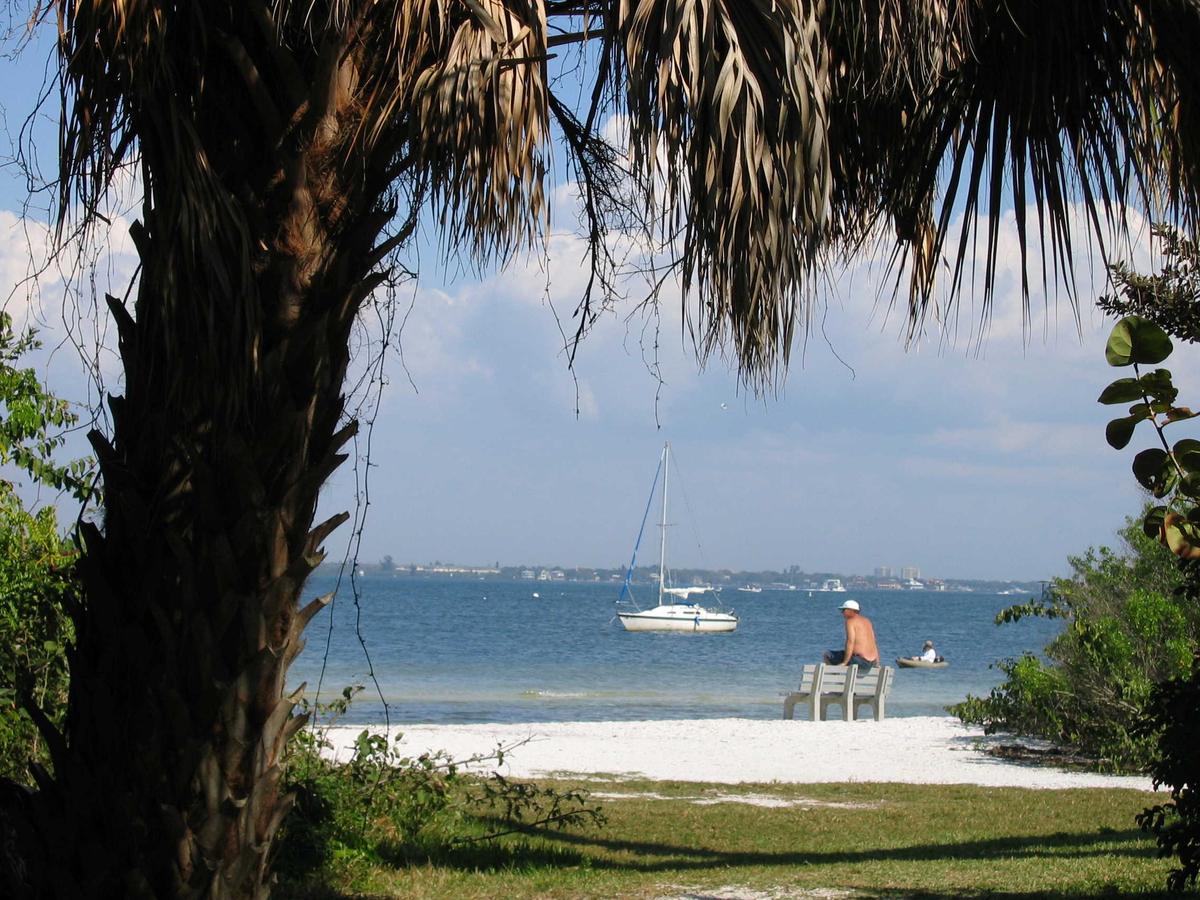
727 109
766 138
1046 106
469 80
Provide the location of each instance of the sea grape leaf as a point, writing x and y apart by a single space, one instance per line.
1182 536
1157 384
1154 471
1136 340
1123 390
1152 523
1187 454
1118 432
1189 485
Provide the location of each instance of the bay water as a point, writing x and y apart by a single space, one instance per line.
464 649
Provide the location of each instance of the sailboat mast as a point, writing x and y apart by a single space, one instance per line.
662 550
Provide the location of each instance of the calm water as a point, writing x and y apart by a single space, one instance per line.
463 650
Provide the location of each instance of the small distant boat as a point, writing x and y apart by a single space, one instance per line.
536 595
676 611
910 662
751 589
833 585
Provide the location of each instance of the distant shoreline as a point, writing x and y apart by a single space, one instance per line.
913 750
722 579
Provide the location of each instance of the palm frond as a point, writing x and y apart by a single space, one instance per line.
727 108
1045 106
767 139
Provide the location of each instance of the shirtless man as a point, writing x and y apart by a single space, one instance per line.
860 649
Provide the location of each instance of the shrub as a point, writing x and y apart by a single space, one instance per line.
385 806
1172 716
34 630
1127 626
35 560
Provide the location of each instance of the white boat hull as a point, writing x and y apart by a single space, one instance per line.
678 617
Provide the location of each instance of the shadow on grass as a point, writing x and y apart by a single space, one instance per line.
1060 847
324 893
549 849
304 878
1099 894
556 849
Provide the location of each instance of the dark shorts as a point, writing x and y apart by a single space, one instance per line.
835 657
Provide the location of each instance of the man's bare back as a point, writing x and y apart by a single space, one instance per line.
860 648
860 638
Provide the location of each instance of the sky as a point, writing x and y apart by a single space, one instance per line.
968 455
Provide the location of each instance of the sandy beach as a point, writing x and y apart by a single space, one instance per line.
914 750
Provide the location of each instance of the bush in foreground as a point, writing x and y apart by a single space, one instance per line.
383 806
1127 627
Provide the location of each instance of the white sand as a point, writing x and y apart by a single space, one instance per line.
925 750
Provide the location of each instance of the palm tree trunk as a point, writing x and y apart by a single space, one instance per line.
257 247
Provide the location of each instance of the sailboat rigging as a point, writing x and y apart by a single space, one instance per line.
676 611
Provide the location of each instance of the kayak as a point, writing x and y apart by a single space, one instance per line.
907 662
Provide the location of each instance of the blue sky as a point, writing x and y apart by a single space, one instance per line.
964 457
960 458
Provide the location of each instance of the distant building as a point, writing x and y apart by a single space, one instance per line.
883 572
527 574
909 573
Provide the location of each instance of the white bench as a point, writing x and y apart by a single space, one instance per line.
846 686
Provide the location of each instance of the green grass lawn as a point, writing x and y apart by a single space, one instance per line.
848 840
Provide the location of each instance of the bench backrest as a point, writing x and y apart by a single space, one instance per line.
833 679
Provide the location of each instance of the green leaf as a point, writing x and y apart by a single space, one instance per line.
1189 462
1123 390
1157 384
1119 431
1136 340
1154 471
1182 537
1189 485
1152 523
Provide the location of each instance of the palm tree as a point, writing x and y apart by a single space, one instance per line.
287 150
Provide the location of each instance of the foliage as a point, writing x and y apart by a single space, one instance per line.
1171 472
34 422
1170 298
35 560
1125 628
1172 713
385 806
35 564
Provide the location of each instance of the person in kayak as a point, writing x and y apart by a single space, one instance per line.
928 655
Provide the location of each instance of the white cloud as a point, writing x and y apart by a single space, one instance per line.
1007 436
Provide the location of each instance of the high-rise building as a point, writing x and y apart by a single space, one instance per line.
883 571
910 572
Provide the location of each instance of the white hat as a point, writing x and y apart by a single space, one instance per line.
850 604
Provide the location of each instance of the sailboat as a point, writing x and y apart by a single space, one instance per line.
676 611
